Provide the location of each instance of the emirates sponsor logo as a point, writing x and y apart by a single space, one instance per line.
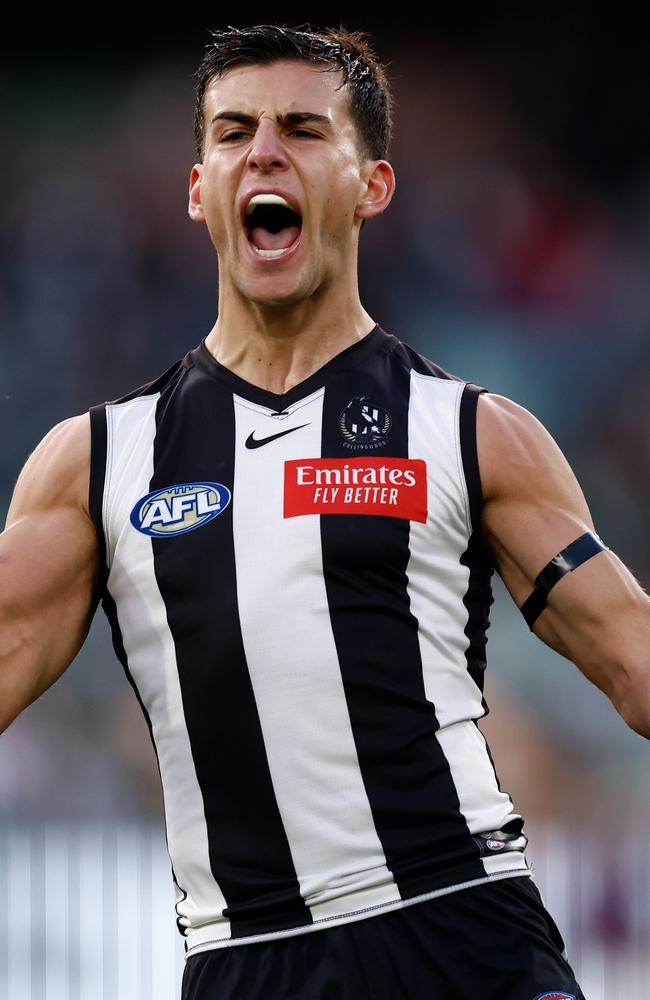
393 487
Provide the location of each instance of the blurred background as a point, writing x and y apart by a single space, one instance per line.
515 254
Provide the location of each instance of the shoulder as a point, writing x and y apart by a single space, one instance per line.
517 455
57 471
508 433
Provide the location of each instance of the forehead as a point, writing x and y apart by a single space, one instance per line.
277 88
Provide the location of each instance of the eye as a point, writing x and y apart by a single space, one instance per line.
232 135
235 134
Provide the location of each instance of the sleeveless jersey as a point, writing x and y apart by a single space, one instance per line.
298 592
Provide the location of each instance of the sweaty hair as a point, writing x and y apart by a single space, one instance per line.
336 49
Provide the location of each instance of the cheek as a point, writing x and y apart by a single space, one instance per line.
344 200
220 218
215 198
338 214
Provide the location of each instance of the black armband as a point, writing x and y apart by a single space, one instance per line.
568 559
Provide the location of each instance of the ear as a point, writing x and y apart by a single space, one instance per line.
378 187
195 208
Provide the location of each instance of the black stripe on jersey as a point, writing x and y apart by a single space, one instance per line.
248 847
409 785
468 409
478 597
98 446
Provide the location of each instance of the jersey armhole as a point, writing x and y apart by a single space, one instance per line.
469 452
98 455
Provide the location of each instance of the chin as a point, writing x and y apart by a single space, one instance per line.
275 291
277 301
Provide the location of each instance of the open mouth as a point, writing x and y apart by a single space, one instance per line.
271 226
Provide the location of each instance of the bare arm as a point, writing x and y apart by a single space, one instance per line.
598 615
49 567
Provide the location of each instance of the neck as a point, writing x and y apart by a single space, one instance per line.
276 347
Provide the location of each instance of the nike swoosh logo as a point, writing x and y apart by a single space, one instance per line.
252 442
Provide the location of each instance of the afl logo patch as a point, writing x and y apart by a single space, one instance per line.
363 425
554 995
495 845
177 509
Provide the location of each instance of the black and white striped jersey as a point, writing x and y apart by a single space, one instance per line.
299 596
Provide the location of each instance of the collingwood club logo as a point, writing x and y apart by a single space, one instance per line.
363 425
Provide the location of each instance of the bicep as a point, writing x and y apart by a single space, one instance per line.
533 505
49 566
596 615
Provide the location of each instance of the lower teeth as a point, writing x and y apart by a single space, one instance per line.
270 253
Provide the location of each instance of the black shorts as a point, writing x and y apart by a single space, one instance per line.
494 941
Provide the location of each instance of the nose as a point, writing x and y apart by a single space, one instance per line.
266 150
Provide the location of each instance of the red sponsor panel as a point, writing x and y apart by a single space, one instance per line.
392 487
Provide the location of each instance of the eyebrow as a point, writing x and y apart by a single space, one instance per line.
291 118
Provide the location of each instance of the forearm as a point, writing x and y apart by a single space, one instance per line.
18 678
613 652
35 649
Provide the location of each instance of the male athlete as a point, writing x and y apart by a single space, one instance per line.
292 531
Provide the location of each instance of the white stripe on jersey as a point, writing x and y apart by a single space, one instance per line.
149 646
437 579
319 790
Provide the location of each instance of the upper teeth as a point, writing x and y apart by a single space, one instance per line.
266 199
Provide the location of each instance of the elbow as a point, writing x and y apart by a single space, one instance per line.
632 701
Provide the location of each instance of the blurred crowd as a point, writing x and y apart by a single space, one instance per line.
515 254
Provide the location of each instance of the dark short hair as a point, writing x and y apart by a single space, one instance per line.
370 96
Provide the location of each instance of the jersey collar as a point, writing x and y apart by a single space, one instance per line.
350 356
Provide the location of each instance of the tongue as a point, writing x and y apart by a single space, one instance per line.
265 240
